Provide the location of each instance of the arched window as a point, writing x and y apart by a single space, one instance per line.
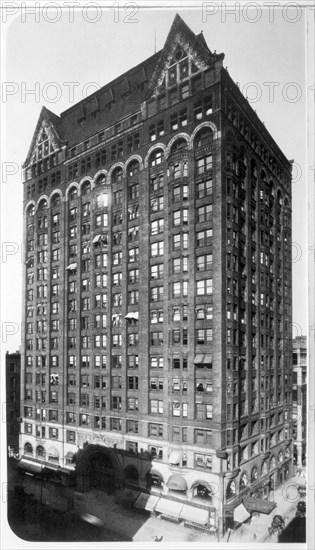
101 180
133 168
203 137
73 193
156 158
253 169
28 449
264 468
42 204
55 200
202 491
40 452
179 145
231 490
154 479
117 175
287 452
279 198
280 457
86 188
262 175
131 474
31 211
243 481
254 475
273 463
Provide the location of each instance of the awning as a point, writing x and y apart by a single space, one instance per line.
30 466
96 239
169 507
174 458
71 267
146 502
156 473
258 505
199 358
69 454
177 483
241 514
204 483
197 515
203 358
132 315
50 468
52 451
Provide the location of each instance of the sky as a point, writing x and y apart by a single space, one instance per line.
59 52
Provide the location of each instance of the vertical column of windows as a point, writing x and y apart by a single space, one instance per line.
204 280
131 383
156 289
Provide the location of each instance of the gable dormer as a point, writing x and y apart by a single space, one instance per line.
46 142
184 54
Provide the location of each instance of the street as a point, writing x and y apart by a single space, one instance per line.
33 521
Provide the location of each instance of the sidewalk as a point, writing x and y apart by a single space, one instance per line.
140 527
134 524
286 498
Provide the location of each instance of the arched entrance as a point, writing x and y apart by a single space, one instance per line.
98 467
101 473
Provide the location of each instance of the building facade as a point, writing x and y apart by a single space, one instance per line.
13 392
299 396
158 286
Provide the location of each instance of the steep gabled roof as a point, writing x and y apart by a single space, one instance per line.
180 33
52 124
125 93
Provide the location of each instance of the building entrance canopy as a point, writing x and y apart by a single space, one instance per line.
169 507
241 514
203 358
30 466
197 515
146 502
258 505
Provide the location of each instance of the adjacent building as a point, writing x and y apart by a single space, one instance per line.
157 287
13 393
299 396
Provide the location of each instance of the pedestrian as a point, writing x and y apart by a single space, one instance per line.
255 536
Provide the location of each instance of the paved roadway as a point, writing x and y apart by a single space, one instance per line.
35 522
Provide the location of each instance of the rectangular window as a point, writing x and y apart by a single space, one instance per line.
157 294
156 406
204 238
133 255
132 426
157 226
156 362
204 263
156 338
157 204
155 430
132 404
157 249
204 287
204 189
156 271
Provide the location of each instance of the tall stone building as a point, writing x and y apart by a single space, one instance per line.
157 297
13 391
299 397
